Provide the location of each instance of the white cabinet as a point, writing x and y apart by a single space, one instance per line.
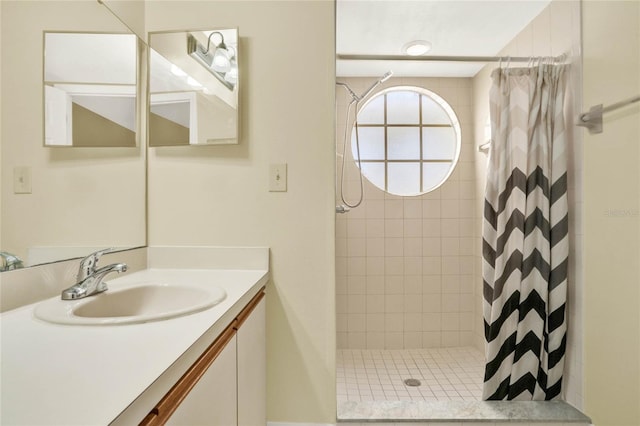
212 401
226 385
252 368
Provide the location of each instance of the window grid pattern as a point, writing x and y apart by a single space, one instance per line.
422 123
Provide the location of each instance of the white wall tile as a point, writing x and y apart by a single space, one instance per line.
394 322
415 256
375 322
450 227
356 322
375 284
451 303
431 339
393 265
356 304
412 265
412 340
356 247
413 304
431 321
394 284
356 266
356 228
394 209
412 208
413 284
431 228
375 266
393 340
431 247
393 247
431 209
356 284
451 284
375 228
375 304
375 247
393 228
375 209
413 247
394 303
375 340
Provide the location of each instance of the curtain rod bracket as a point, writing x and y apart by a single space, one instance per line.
592 120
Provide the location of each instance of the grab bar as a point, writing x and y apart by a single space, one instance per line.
592 120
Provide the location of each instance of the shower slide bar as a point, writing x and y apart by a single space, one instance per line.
507 59
592 120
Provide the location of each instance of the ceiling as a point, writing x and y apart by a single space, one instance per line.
455 28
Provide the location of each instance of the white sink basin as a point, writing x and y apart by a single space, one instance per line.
136 303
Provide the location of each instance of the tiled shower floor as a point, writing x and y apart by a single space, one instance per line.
446 374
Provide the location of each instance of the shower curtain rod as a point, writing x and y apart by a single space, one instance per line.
433 58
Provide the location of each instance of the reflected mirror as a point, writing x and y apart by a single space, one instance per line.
193 88
90 89
58 204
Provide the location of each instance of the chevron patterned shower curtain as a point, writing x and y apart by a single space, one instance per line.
525 235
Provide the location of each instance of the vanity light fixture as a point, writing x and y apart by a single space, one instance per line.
416 48
219 59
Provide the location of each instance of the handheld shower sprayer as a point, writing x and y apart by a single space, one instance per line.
344 208
355 97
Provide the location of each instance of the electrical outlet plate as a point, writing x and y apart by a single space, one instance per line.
278 177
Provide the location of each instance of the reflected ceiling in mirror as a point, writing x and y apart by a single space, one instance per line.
90 89
193 88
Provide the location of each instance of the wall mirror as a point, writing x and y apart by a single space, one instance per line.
90 89
193 88
58 204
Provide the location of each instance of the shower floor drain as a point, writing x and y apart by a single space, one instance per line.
412 382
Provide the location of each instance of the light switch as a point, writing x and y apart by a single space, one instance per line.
22 180
278 178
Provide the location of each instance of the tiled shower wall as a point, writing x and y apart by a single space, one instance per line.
555 31
404 265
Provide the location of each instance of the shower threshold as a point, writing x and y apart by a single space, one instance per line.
460 411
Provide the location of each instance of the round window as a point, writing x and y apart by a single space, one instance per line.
409 140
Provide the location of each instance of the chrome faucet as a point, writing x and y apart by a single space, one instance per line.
89 279
9 262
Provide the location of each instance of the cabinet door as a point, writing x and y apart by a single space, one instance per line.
252 368
212 401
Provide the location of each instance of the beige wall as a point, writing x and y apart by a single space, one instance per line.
404 265
612 218
80 197
219 195
555 31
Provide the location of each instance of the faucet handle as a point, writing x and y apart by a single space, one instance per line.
88 264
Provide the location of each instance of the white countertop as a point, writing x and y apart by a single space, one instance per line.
88 375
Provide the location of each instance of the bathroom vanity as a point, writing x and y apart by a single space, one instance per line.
205 367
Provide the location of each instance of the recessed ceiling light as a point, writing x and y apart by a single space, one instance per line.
416 48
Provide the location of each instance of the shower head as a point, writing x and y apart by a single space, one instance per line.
386 76
381 80
355 97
